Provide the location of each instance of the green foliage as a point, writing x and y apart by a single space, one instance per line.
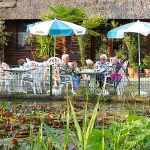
89 23
122 53
83 91
146 62
82 41
96 140
66 13
114 24
3 34
3 104
50 141
45 46
132 49
83 135
42 44
67 124
31 137
3 39
132 134
53 137
94 22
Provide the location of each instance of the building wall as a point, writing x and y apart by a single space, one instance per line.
148 45
12 51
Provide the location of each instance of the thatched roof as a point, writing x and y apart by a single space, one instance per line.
7 4
111 9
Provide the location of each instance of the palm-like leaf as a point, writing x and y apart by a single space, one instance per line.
62 12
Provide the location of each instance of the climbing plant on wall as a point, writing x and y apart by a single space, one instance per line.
3 40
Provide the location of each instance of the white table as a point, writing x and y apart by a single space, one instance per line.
18 72
92 73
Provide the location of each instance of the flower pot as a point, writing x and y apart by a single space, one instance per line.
147 72
131 72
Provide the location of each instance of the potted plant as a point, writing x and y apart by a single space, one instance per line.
146 65
131 53
135 69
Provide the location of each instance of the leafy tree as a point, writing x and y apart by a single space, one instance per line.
94 22
82 41
3 40
66 13
132 51
91 23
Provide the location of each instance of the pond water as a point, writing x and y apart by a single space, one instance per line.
16 116
104 106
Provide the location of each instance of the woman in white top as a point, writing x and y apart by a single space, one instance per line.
103 64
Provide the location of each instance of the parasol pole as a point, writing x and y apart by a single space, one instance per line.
54 46
139 63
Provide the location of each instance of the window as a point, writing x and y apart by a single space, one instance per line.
21 38
21 34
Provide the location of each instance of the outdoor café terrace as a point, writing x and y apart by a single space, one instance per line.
42 78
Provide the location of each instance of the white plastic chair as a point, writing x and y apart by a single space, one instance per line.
6 78
125 64
34 77
67 79
28 60
54 60
120 86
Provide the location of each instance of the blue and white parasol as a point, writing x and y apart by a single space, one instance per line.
135 27
56 28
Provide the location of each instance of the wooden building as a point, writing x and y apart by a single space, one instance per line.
18 13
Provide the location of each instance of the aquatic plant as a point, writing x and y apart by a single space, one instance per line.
132 134
84 132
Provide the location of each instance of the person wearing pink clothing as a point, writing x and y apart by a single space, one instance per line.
115 77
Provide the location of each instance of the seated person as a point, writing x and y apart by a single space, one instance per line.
114 76
103 64
75 67
89 63
65 69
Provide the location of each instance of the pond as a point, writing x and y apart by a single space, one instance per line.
16 117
